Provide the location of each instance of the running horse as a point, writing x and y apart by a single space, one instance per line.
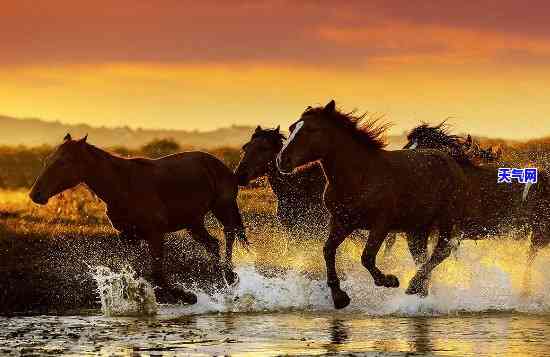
492 208
300 207
299 195
148 198
371 188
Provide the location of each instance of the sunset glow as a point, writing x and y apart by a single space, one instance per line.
179 64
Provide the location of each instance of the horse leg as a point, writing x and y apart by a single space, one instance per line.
390 242
539 240
165 293
337 235
201 235
441 252
418 246
368 258
227 212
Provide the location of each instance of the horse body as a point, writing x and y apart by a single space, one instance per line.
147 198
369 188
299 197
171 193
407 191
493 208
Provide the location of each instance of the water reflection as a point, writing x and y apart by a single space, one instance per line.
279 334
339 334
339 331
420 341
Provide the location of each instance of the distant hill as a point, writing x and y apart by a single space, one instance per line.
35 132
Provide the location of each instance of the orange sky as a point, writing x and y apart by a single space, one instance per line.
201 65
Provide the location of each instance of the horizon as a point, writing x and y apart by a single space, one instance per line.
246 126
201 66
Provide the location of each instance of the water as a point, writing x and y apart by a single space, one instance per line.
476 307
279 333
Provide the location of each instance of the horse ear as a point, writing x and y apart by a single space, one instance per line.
258 129
330 107
278 128
83 140
67 137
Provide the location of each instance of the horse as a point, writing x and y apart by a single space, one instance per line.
300 207
437 137
147 198
299 195
374 189
493 208
464 150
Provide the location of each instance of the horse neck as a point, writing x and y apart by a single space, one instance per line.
276 180
105 175
350 158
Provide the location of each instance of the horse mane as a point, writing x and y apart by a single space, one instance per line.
271 134
366 127
440 135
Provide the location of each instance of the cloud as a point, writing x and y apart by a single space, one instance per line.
276 32
429 44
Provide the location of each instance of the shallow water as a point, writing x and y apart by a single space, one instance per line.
476 306
279 333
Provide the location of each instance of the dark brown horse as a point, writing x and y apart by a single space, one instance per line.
464 150
299 195
147 198
493 208
437 137
370 188
300 207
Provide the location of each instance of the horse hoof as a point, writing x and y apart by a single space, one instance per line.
391 281
340 299
231 277
416 287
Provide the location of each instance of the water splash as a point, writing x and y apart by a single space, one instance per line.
483 277
123 293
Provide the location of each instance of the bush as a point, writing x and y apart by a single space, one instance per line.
160 147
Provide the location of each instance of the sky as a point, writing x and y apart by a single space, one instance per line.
199 65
